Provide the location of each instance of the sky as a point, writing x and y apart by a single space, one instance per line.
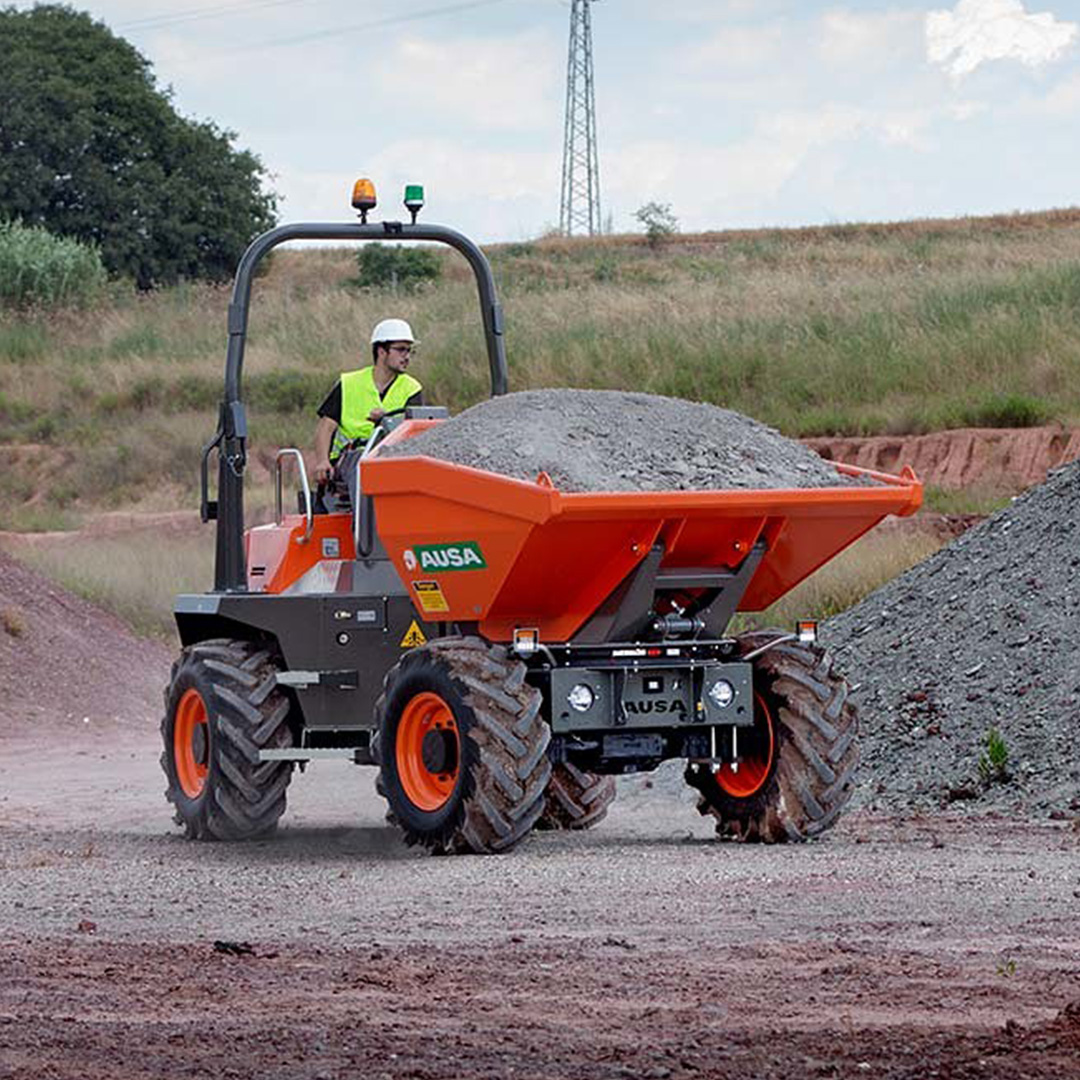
734 112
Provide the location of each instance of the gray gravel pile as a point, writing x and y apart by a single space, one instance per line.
608 440
984 634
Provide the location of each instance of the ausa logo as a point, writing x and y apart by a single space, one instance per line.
442 558
641 708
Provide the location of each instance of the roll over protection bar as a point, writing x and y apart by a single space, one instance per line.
230 439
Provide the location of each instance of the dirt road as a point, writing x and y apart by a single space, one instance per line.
896 948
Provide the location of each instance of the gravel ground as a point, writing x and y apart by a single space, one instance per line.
901 947
986 633
897 948
608 440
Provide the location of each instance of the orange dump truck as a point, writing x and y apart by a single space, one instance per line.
500 649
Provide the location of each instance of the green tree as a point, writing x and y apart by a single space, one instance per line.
91 148
659 222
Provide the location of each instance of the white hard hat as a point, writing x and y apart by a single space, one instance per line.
392 330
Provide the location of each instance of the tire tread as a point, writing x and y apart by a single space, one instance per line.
503 795
817 750
244 797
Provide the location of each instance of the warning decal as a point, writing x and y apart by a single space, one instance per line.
413 636
431 597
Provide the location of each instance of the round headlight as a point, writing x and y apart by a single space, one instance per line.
581 698
722 693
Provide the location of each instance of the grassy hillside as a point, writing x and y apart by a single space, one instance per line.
847 329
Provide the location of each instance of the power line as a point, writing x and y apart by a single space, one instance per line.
154 22
580 202
389 20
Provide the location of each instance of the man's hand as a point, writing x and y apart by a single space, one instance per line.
322 470
376 415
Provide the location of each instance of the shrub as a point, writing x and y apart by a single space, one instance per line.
14 412
37 268
1007 411
606 269
385 266
12 621
994 760
288 391
659 222
23 341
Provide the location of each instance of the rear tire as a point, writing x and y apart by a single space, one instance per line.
222 707
576 799
802 755
462 748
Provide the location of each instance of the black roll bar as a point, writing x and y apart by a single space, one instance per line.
230 440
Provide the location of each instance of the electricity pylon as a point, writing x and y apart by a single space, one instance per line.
579 209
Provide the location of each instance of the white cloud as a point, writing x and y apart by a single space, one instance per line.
965 110
507 83
710 187
841 38
978 31
748 48
707 11
1064 99
855 38
489 195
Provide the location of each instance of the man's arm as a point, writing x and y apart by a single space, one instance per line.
324 434
377 414
329 419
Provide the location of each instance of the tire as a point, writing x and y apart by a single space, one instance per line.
793 784
576 799
380 787
222 707
462 748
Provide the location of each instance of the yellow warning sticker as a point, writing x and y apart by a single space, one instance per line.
413 636
431 598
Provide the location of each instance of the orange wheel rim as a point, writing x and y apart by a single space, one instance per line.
428 751
757 747
191 743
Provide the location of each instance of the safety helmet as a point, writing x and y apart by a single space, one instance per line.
392 330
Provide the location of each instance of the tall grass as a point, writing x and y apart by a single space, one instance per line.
843 582
136 576
38 268
844 330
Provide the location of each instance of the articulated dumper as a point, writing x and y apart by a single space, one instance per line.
499 649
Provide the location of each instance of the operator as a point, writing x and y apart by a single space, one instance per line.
362 398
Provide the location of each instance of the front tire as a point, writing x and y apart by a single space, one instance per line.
462 748
222 707
797 771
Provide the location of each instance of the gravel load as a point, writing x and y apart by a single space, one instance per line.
609 440
984 634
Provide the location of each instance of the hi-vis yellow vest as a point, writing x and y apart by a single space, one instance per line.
359 395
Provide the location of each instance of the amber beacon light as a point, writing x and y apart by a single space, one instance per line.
363 198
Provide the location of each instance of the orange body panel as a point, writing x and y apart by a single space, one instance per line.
278 555
549 559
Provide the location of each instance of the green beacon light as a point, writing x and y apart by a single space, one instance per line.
414 199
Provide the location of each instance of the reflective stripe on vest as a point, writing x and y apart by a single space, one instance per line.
359 395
